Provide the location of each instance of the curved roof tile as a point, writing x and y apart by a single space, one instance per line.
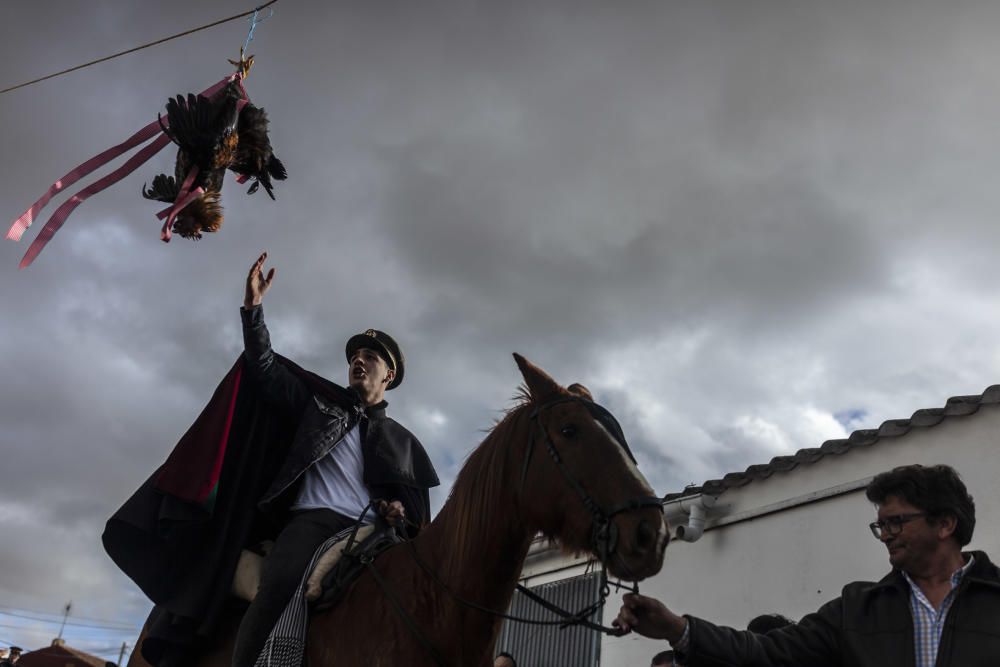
956 406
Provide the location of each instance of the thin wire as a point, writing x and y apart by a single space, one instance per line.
138 48
72 631
111 650
19 627
25 610
80 625
253 26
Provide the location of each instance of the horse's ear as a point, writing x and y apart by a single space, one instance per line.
580 390
540 385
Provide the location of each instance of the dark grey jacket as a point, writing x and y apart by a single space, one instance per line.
870 625
396 467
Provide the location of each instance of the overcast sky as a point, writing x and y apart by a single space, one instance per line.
748 227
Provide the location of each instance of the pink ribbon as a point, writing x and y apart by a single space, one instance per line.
59 217
184 197
21 224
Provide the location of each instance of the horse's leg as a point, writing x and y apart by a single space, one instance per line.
220 654
135 659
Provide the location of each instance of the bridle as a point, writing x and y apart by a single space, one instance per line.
604 537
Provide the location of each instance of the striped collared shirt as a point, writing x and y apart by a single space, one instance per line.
928 622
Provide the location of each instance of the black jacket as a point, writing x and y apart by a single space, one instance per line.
181 544
869 625
396 467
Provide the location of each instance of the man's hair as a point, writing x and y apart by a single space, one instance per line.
663 658
937 490
766 622
504 654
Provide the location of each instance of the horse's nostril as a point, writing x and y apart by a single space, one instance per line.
645 536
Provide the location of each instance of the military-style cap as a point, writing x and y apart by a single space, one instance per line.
387 348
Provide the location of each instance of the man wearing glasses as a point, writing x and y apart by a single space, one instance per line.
939 607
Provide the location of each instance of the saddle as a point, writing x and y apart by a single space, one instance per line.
335 571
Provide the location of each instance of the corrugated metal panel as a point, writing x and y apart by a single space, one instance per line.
547 645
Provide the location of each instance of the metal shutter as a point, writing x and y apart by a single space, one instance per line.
547 645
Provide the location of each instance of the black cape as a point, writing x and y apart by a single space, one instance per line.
180 540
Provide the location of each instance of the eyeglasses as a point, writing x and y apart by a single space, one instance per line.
892 525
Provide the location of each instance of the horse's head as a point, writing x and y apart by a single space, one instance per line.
578 482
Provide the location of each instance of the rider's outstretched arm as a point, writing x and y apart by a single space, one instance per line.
280 386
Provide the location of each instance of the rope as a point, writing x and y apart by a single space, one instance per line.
254 22
139 48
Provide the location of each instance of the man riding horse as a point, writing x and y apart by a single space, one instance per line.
323 452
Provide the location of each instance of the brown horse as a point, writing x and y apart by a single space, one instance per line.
509 490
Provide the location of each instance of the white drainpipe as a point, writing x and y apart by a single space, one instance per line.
688 515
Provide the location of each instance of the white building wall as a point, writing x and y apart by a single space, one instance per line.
793 560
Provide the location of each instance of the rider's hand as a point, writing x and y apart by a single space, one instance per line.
649 617
257 284
392 512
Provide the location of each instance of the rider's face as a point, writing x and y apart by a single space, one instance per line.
369 374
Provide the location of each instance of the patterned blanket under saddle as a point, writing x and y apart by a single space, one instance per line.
246 580
333 568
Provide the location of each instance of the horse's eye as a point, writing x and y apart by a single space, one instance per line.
568 431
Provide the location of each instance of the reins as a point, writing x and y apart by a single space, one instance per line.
567 618
401 612
604 539
368 560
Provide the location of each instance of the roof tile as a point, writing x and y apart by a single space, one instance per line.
956 406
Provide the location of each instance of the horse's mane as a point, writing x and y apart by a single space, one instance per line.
480 483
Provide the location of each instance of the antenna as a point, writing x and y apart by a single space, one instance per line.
69 605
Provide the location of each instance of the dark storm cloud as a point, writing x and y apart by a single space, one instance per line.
735 222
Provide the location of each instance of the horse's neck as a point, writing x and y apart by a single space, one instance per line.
478 544
483 562
483 573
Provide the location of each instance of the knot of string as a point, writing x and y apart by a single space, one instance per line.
254 22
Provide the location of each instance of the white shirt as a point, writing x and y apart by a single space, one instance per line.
336 481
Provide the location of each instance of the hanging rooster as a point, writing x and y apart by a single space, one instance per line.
254 157
214 131
213 135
